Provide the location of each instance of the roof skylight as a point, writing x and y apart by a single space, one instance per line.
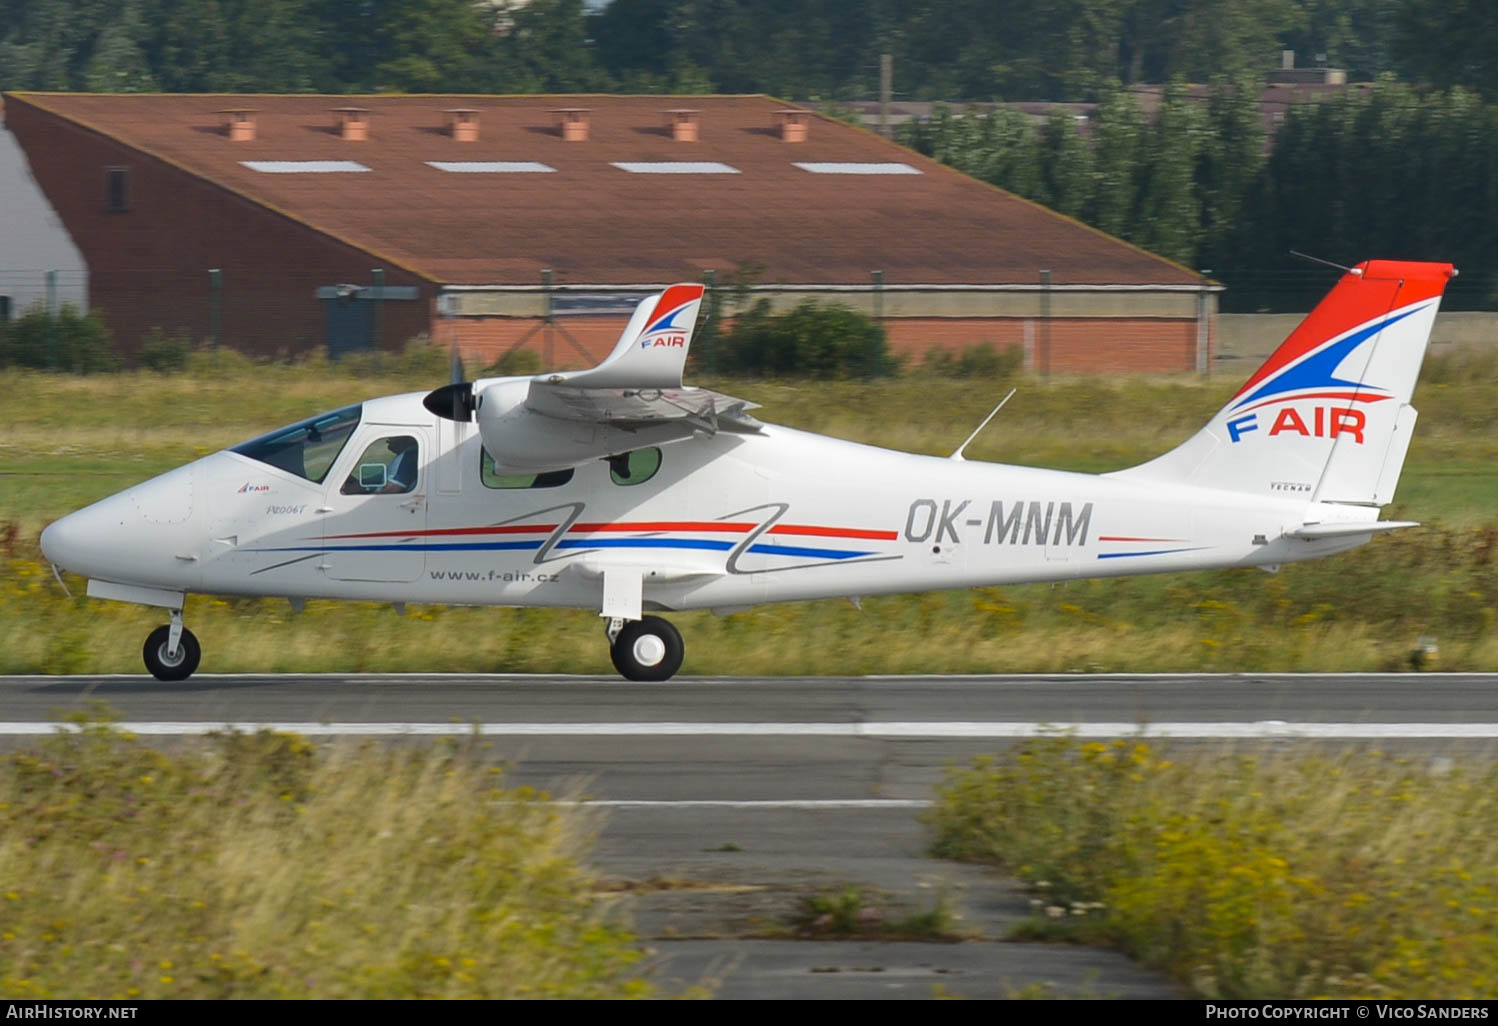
492 167
299 167
854 168
675 167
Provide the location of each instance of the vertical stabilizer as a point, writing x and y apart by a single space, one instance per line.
1328 416
652 352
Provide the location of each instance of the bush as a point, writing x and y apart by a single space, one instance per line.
517 362
981 360
165 354
812 340
418 358
421 359
221 363
73 341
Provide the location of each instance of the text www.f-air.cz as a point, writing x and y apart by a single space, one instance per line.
492 575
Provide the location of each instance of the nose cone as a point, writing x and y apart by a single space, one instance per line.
143 535
65 541
91 541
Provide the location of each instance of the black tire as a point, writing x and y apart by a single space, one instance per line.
648 649
163 667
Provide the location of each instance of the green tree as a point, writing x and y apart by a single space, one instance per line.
1169 221
1161 40
117 63
1118 152
1229 161
546 50
1360 36
1450 43
433 46
1064 166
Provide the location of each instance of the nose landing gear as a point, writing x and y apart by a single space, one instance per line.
648 649
172 651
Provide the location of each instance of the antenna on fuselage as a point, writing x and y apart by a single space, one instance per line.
61 583
1318 260
958 454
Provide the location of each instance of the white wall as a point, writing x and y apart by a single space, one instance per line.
33 240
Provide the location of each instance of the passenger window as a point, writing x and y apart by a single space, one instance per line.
547 479
388 467
637 467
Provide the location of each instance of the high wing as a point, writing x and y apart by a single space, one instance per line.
694 409
633 399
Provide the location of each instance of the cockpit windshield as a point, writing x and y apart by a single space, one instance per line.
308 447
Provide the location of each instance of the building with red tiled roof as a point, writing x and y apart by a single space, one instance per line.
346 219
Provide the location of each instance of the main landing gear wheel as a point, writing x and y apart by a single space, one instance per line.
165 664
648 649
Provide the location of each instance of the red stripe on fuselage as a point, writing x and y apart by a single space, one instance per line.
718 526
448 531
1121 538
834 532
704 526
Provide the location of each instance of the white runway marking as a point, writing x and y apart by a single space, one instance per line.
898 729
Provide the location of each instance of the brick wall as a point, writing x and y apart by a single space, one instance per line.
1077 345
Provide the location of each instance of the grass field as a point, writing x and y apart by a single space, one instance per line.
67 441
1253 873
258 866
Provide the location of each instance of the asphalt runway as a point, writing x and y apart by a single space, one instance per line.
724 801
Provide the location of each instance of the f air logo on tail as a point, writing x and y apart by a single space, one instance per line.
1312 378
1316 422
663 329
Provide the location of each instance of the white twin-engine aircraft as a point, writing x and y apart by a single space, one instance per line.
622 490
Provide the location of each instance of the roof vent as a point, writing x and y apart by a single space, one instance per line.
574 123
240 126
793 124
684 124
353 123
463 124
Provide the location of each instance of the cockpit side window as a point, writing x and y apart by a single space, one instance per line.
308 447
546 479
389 466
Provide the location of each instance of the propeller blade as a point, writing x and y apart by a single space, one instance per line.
457 366
454 402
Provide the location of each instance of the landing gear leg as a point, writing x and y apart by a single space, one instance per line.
172 651
647 649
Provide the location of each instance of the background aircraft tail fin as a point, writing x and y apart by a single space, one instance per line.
652 351
1328 416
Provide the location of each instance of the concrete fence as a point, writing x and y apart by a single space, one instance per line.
1250 338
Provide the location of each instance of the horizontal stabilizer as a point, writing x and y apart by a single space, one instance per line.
1315 532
